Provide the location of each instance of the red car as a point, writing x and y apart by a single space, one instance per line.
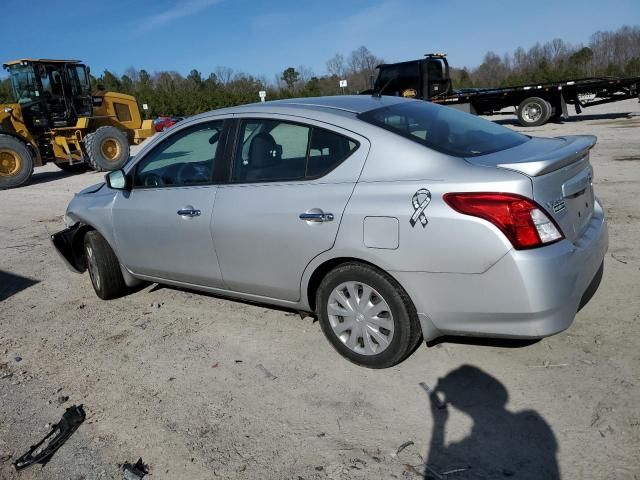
162 123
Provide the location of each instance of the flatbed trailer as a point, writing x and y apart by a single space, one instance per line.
535 104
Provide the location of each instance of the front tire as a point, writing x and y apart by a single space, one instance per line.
16 162
367 316
103 266
108 148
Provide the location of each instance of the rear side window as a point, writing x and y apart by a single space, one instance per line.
327 150
272 150
444 129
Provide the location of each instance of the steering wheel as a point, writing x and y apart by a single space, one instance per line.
153 180
190 173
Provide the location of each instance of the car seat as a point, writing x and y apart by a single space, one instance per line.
264 155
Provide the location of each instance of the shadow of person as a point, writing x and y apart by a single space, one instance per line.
501 444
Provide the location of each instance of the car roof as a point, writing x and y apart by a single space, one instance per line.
340 105
349 103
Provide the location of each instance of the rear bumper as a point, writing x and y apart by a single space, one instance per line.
63 242
526 294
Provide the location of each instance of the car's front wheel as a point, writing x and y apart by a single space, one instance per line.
103 266
367 316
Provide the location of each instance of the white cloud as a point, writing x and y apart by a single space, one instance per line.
180 10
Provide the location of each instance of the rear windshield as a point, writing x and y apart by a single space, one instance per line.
444 129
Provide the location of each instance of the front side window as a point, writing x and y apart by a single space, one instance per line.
186 158
271 150
444 129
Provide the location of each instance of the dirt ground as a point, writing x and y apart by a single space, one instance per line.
203 387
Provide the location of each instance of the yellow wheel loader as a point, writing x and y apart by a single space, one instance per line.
57 118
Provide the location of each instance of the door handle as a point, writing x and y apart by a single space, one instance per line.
316 217
189 212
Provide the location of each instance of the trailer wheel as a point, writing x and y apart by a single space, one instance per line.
108 148
533 112
16 162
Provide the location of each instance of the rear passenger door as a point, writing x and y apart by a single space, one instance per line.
288 187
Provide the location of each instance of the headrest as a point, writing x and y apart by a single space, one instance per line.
264 151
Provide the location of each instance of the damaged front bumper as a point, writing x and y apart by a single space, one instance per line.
69 249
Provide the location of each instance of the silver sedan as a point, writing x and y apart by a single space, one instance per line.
391 220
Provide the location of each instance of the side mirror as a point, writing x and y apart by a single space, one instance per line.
118 180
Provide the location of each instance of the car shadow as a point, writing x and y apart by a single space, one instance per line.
501 443
10 284
159 286
484 342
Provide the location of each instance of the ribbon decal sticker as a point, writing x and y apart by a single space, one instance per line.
420 201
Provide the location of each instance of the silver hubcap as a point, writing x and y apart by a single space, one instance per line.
532 112
360 318
93 267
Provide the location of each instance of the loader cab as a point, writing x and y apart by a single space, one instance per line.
51 93
424 79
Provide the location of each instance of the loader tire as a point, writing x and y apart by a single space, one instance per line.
107 148
16 162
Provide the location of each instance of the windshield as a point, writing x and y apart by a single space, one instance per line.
444 129
23 82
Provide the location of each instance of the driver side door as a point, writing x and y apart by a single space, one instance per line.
163 225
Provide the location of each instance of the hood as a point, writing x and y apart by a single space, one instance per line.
91 189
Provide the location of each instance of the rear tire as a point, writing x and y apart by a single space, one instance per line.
380 326
16 162
107 148
104 267
533 112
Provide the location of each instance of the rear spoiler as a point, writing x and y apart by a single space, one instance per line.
575 148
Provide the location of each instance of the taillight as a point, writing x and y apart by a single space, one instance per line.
522 220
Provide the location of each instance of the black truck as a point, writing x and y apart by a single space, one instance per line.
536 104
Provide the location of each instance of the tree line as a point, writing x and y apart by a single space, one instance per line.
614 53
611 53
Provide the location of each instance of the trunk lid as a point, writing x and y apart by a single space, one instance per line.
560 173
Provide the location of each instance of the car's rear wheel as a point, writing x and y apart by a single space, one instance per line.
367 316
103 266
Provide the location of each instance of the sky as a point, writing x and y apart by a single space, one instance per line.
265 37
